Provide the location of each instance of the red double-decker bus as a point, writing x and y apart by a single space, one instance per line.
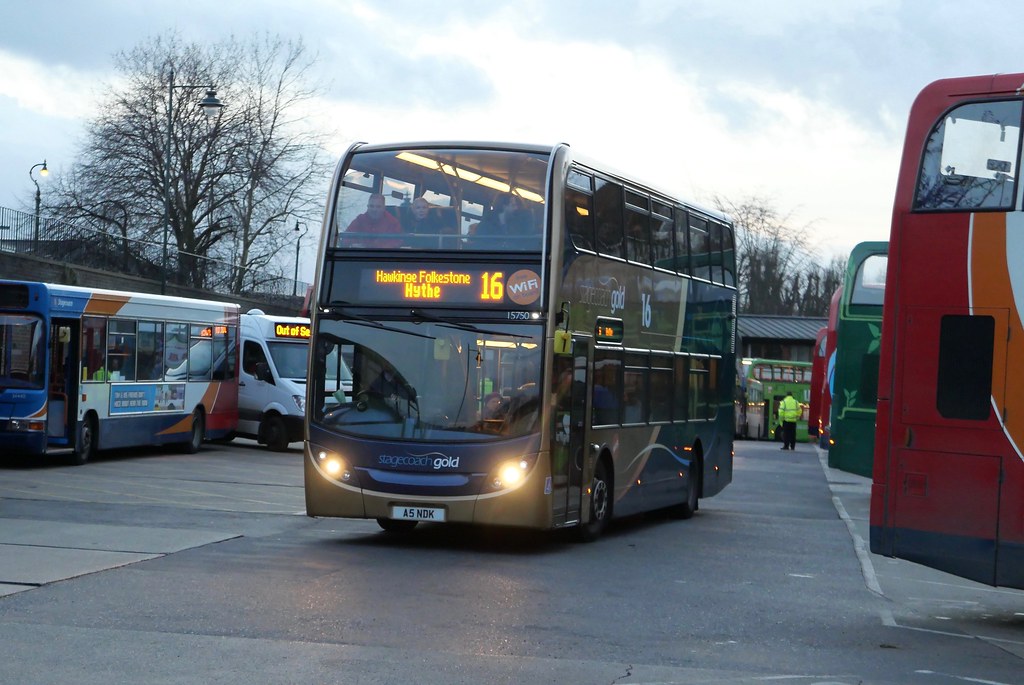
819 364
948 473
828 380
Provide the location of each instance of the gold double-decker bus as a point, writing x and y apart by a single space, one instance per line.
534 341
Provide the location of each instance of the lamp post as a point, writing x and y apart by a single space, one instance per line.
298 244
211 106
35 225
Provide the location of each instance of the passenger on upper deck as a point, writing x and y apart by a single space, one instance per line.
637 242
609 239
428 225
422 219
507 220
374 220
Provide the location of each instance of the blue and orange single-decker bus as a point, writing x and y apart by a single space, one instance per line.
83 369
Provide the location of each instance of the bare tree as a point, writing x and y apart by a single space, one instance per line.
206 189
821 282
278 166
768 253
776 269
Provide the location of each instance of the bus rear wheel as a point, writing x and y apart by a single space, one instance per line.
688 507
198 433
85 446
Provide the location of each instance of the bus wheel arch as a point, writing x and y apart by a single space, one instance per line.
87 440
198 431
273 432
601 498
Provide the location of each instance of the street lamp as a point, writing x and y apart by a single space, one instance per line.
211 107
35 226
298 244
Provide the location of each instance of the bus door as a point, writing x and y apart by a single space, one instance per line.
569 430
947 469
62 384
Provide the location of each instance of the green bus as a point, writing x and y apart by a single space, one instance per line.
855 389
778 377
750 409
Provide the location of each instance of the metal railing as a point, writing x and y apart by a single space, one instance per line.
82 245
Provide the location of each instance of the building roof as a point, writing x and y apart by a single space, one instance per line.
766 327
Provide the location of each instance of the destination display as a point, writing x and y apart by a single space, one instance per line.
390 283
293 331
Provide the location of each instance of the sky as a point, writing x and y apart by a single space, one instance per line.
799 103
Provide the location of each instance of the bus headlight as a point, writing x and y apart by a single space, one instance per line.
300 402
333 466
510 474
25 425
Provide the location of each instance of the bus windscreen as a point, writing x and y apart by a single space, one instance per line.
441 199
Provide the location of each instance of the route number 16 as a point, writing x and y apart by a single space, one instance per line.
493 286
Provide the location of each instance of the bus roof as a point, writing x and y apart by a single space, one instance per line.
82 300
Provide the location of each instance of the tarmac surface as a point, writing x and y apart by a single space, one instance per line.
36 552
920 596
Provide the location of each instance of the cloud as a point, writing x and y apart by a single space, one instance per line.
49 90
632 110
798 101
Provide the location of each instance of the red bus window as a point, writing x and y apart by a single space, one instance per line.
964 385
970 159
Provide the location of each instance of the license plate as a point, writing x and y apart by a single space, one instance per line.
418 513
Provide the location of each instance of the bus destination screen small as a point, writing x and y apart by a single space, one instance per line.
292 331
394 283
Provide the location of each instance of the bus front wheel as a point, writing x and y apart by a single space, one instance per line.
600 504
85 446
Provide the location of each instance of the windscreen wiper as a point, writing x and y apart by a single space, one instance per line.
359 320
420 314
